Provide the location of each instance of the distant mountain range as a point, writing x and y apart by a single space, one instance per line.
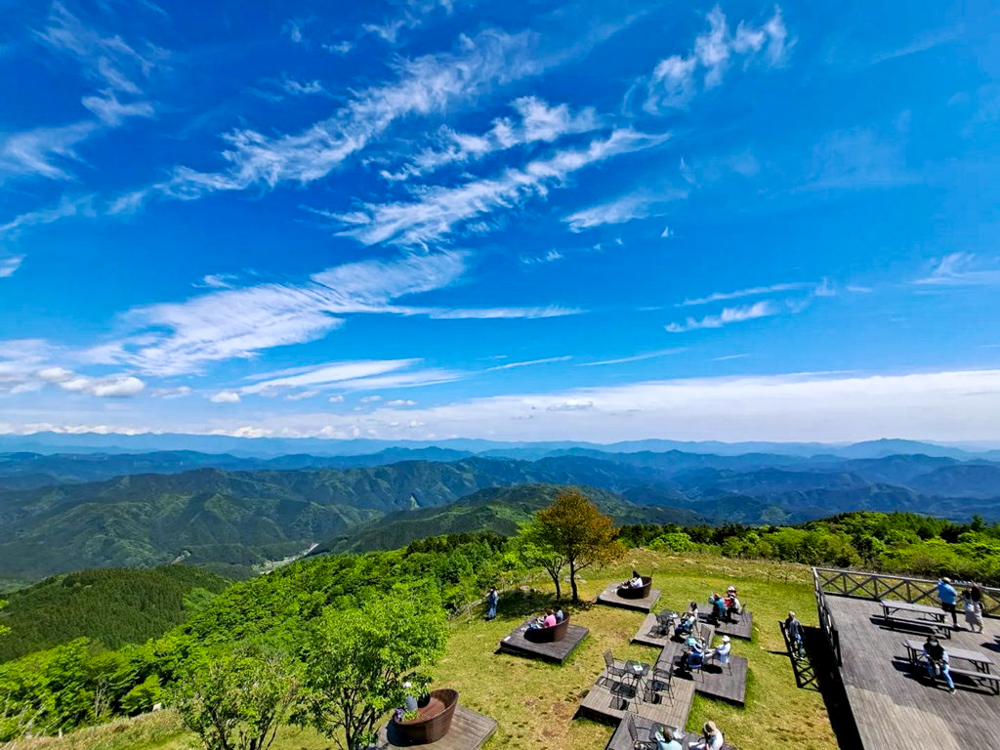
51 442
233 513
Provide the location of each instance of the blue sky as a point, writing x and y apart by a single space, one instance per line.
433 218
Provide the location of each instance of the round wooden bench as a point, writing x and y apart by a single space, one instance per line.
432 723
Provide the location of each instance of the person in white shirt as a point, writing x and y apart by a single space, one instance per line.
721 652
711 738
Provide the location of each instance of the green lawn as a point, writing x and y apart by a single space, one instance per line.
534 703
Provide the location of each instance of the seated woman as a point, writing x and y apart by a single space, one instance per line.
635 582
688 620
711 738
720 613
694 656
669 739
549 621
560 615
733 604
721 653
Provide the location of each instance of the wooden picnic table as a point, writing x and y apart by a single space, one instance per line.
981 661
931 617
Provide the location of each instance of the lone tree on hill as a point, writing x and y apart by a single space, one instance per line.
575 529
236 700
360 658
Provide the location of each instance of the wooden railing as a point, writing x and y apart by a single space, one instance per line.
859 585
826 622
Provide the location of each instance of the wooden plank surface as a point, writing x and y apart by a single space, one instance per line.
649 633
556 652
469 731
610 597
893 706
742 628
622 740
609 701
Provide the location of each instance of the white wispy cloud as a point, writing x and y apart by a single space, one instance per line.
502 313
729 357
401 402
634 357
537 121
111 386
292 28
536 260
182 337
763 309
962 269
42 152
442 210
301 395
225 397
642 204
338 48
674 82
755 291
9 265
529 363
168 393
370 399
424 85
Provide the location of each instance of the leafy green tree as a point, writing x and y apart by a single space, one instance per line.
3 628
143 696
236 699
536 551
359 659
575 529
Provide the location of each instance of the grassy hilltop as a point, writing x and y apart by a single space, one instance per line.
534 703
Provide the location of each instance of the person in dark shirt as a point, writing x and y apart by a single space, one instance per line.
793 629
936 657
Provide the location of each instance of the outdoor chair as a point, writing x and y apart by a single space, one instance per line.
723 661
664 622
659 684
613 669
633 735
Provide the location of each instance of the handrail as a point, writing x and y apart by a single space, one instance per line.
862 585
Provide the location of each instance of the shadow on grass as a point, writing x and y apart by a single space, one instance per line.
522 603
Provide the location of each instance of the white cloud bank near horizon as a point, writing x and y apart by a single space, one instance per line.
952 406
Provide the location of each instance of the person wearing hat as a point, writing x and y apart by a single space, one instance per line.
711 738
721 652
948 596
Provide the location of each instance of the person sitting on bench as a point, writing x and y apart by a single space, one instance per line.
937 660
733 604
719 613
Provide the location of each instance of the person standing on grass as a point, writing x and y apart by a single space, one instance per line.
937 660
793 629
948 596
493 598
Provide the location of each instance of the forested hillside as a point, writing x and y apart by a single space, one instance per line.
237 521
112 607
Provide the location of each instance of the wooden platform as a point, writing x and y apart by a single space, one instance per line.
649 633
715 681
469 731
608 702
892 707
621 740
742 628
673 649
556 653
611 598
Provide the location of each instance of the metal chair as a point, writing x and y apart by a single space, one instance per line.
633 735
613 669
664 622
660 683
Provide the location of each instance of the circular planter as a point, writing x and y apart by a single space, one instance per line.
548 635
432 723
627 592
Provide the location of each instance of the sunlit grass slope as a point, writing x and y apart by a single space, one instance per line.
534 703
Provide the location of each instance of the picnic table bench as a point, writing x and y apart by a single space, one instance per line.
931 618
980 662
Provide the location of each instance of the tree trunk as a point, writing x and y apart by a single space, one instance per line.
572 581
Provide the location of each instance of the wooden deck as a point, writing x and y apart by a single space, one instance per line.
469 731
742 628
621 740
609 701
893 708
649 633
556 653
673 649
611 598
715 681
